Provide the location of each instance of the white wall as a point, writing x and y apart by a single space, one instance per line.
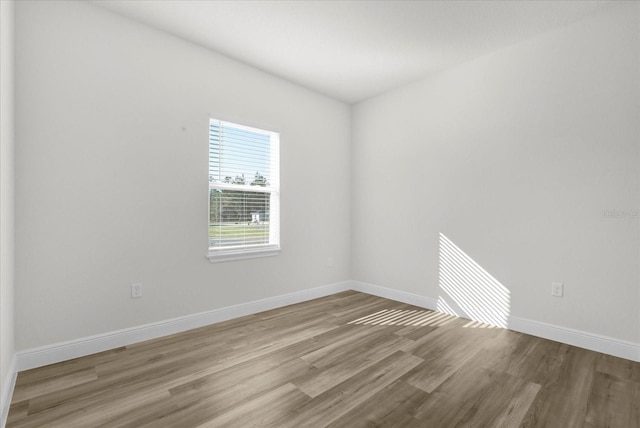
513 157
7 349
112 120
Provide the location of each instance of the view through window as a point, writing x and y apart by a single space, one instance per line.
244 191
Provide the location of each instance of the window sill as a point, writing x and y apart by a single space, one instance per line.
223 255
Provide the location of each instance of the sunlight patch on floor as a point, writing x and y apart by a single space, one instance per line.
414 318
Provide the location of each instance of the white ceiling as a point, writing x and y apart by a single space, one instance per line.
353 50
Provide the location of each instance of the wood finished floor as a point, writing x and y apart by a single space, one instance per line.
328 363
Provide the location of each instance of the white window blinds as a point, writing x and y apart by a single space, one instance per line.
244 195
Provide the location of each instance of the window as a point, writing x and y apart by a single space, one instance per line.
244 192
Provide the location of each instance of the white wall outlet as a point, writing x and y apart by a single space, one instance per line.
557 289
330 262
136 290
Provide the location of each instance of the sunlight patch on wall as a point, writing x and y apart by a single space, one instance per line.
469 291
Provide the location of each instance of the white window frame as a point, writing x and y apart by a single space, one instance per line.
220 254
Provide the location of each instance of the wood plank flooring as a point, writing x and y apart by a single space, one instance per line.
346 360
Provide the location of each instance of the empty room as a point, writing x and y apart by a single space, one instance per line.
319 213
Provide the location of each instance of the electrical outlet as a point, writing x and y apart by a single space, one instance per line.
330 262
557 289
136 290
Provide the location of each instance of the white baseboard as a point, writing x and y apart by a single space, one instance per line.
399 296
7 392
581 339
42 356
58 352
